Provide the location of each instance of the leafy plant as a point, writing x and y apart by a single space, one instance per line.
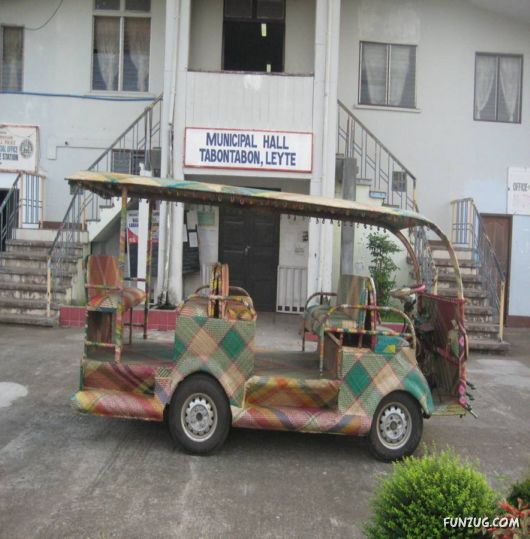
520 490
421 492
382 269
521 512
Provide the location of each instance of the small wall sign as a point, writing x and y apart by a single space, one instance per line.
281 151
518 191
19 148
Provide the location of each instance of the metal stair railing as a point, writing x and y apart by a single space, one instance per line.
22 205
387 174
468 230
139 144
375 162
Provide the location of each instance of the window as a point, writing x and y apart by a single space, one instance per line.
254 33
498 87
11 58
122 35
388 75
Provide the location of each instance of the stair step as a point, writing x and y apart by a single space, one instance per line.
118 404
23 255
29 320
488 345
446 262
482 327
472 293
466 278
20 260
28 303
29 291
25 306
29 276
478 310
41 247
438 244
37 244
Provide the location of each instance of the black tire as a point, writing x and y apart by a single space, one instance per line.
199 415
397 427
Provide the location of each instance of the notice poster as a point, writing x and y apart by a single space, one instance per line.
19 148
283 151
518 202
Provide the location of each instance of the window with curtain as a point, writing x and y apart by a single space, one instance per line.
122 38
11 58
498 87
387 75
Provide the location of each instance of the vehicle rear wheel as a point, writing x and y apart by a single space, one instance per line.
199 415
397 427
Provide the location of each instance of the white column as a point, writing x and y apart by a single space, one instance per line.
175 285
143 233
327 34
166 124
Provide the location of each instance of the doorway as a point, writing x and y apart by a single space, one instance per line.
498 227
253 35
249 243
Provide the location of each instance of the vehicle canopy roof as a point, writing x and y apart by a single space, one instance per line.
198 192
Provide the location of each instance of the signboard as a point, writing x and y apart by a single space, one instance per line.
281 151
19 148
519 191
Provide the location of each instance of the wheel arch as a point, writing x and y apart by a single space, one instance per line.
166 388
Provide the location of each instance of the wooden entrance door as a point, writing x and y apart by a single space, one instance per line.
499 230
249 243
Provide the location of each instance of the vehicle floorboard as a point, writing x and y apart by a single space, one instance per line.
140 351
287 363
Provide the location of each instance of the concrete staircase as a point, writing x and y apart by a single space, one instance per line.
23 278
481 321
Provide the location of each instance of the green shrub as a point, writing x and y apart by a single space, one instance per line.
383 267
414 500
520 490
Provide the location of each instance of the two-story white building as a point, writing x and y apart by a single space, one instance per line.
430 98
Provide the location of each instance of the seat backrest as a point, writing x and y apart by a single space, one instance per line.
102 270
357 290
353 290
219 286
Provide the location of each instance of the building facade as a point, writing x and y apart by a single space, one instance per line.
264 94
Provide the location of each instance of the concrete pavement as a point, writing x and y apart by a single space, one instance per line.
65 475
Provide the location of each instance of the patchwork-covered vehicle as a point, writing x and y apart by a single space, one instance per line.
365 378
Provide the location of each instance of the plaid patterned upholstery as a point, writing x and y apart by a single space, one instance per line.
353 290
367 377
102 271
237 307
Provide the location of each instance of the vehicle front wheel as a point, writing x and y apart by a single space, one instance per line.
199 415
397 427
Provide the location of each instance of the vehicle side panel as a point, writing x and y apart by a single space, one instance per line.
367 377
222 348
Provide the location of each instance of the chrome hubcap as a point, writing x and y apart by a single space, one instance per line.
393 426
199 417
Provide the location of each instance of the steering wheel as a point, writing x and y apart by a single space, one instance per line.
404 292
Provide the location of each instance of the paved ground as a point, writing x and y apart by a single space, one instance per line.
65 475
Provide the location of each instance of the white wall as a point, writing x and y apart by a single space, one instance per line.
57 59
451 154
206 40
